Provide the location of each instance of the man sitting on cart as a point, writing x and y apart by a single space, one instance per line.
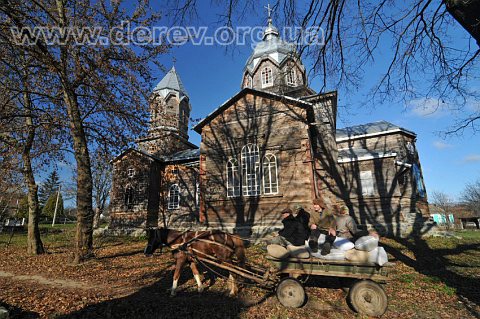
322 221
293 233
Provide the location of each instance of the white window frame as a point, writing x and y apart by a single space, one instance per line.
174 197
233 178
291 77
131 172
270 174
367 184
267 79
250 159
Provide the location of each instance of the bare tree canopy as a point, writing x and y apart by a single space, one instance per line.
414 45
471 196
99 82
444 203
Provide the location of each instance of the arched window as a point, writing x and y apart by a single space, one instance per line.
267 79
270 177
233 178
129 196
291 77
250 170
174 197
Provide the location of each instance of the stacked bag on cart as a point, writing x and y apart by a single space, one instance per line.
365 249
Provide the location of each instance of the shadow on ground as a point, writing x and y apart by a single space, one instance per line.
18 313
155 302
434 263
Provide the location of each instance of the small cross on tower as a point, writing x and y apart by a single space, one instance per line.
269 12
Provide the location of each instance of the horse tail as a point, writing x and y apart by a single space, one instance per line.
239 249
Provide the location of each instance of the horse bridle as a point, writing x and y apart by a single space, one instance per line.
153 241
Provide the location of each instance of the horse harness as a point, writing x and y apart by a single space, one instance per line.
186 245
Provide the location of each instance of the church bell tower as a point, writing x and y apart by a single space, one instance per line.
169 108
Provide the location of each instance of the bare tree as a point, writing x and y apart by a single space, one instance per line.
425 63
26 127
444 203
102 183
471 196
102 87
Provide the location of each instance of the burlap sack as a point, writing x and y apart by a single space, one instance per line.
298 251
278 251
357 255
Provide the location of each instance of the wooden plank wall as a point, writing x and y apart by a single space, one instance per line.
277 127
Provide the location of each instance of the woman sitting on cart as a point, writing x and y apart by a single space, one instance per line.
347 227
293 232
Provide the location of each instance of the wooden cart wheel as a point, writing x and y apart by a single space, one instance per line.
290 293
368 297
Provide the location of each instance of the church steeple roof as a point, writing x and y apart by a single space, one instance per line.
171 82
271 46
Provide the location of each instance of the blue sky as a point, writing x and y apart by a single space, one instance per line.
211 77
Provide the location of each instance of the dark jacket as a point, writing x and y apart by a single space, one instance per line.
303 217
293 231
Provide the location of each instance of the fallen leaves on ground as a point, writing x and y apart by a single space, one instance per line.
120 282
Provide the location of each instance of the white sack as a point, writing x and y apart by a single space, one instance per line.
378 256
343 244
367 243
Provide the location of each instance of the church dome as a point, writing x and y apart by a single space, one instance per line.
275 65
271 46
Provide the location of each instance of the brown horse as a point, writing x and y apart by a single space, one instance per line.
186 246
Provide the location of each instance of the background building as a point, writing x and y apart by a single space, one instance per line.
273 144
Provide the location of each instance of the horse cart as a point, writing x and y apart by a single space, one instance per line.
284 275
360 279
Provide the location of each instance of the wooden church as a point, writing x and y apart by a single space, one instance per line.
272 145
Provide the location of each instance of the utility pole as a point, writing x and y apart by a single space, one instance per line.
56 204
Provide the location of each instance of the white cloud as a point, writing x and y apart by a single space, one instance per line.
441 145
428 107
471 159
473 106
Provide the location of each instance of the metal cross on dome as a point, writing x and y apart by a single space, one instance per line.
269 11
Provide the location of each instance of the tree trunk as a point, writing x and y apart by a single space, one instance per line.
84 234
467 13
34 242
96 218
